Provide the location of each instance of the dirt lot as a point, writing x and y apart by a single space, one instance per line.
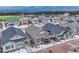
65 47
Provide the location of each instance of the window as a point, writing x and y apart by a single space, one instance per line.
17 44
9 46
38 40
20 44
11 24
42 39
49 32
12 46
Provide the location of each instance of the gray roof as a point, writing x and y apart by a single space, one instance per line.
34 16
11 20
43 18
70 21
54 29
11 34
34 31
72 25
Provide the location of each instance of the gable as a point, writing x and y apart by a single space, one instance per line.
17 37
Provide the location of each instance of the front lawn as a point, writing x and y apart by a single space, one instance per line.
3 18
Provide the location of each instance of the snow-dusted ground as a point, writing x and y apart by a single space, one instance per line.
40 47
22 50
75 36
23 26
39 25
43 46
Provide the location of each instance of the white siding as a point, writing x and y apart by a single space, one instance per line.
19 44
7 44
16 45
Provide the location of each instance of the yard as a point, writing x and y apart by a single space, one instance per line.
3 18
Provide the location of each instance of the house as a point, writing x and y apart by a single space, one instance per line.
1 25
77 19
62 18
0 45
24 20
0 41
43 19
57 30
73 25
53 29
57 20
66 14
12 39
11 22
36 34
35 20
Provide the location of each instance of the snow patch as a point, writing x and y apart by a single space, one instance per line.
21 51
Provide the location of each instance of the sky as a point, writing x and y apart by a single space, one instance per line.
37 8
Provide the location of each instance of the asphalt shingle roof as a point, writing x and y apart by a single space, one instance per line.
54 29
34 32
11 32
